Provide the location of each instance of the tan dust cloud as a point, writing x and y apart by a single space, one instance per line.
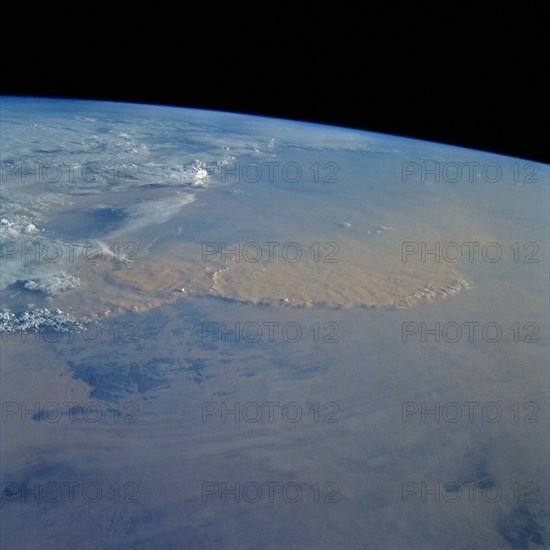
371 276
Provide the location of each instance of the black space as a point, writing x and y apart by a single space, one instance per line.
461 79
